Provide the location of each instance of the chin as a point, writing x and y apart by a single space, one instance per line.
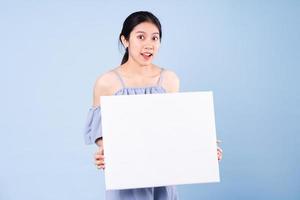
146 64
143 63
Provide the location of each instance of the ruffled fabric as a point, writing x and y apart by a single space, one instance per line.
140 90
93 127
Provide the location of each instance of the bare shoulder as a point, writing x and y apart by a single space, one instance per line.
171 81
105 85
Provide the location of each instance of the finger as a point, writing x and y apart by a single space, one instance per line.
99 162
99 156
101 150
100 167
97 159
220 153
220 157
100 159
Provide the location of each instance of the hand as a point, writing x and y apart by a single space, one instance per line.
99 158
220 153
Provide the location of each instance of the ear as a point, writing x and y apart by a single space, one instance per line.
124 41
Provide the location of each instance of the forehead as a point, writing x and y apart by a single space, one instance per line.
146 27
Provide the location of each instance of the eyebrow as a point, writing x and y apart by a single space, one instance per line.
145 32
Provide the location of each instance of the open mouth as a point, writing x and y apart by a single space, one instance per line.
146 56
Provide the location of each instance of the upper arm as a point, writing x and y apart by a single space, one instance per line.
171 81
101 88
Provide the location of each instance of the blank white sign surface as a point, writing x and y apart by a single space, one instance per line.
159 139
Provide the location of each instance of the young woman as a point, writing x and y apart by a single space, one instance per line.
141 36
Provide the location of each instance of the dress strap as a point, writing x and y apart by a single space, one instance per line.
119 77
160 77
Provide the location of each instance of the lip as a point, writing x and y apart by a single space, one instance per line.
147 53
146 56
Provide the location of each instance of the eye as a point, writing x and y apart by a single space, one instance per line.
155 38
141 37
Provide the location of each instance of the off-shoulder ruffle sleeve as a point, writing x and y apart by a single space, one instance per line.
93 127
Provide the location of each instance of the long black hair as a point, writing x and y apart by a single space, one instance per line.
133 20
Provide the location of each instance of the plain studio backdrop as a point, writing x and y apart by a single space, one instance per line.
246 52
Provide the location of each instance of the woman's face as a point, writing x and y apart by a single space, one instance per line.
143 43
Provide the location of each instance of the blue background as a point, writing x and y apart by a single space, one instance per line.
246 52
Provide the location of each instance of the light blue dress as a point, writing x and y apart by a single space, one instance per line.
93 132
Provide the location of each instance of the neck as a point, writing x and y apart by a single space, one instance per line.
132 67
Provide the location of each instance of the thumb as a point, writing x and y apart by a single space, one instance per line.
101 150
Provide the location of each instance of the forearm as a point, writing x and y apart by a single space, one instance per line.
99 142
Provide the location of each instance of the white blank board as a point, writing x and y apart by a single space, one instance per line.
159 139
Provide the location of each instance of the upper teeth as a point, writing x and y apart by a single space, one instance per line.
147 54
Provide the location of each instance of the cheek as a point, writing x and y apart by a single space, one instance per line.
156 47
135 47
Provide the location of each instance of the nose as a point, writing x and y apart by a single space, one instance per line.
148 47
